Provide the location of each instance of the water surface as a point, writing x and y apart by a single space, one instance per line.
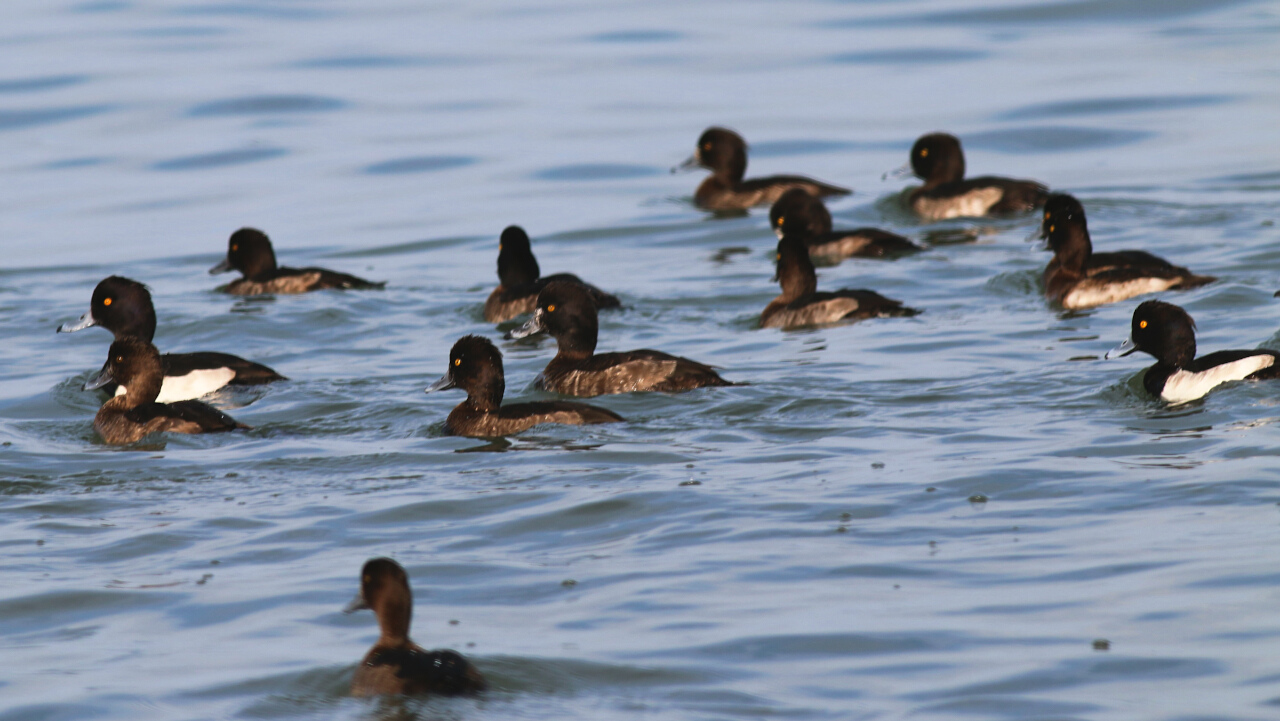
929 518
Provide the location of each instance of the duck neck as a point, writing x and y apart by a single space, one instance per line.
488 398
1073 248
796 273
262 267
949 169
139 324
143 389
731 169
517 267
578 344
394 615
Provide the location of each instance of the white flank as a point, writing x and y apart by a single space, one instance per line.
191 386
972 204
1184 386
1088 293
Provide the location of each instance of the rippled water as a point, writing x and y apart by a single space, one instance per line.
924 518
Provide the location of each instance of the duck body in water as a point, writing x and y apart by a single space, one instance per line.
135 364
724 153
249 251
395 664
801 305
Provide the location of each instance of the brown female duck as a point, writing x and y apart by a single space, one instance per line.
724 153
395 664
135 364
475 366
249 251
805 216
800 303
519 280
565 311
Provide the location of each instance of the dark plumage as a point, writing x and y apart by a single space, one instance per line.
1168 333
135 364
724 153
938 160
124 307
805 216
249 251
566 312
1078 278
800 303
395 664
475 366
519 280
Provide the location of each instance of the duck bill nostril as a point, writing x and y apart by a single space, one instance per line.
901 171
101 379
690 163
357 604
444 383
1122 350
86 321
533 325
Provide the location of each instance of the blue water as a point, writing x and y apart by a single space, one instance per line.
929 518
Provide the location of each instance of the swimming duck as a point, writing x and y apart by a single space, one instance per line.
395 664
1168 333
1078 278
938 160
724 153
519 281
805 216
475 366
566 312
249 251
124 307
135 364
801 305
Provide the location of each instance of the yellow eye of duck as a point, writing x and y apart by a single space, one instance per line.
777 256
499 246
924 152
1051 228
106 301
551 308
235 247
1142 324
119 359
1046 215
781 219
707 146
457 361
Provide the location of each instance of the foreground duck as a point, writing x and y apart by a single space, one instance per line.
724 153
1168 333
801 305
805 216
249 251
124 307
938 159
566 311
395 664
1078 278
520 280
475 366
135 365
